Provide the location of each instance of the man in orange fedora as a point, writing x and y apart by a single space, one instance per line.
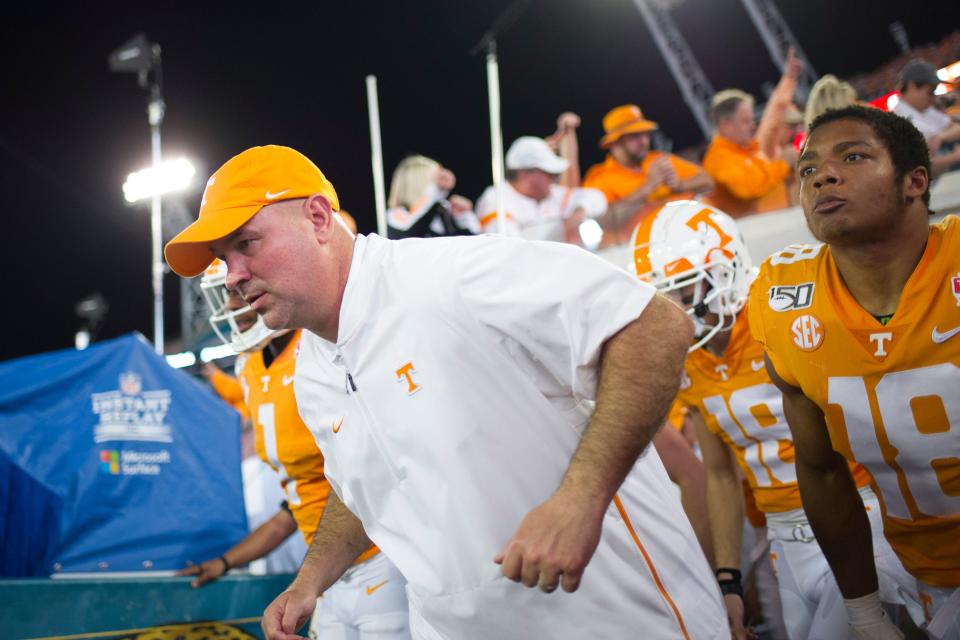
633 176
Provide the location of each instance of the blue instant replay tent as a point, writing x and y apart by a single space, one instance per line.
111 460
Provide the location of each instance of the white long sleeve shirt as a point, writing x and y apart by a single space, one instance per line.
538 220
460 385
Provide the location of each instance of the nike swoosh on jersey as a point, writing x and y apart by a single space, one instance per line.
940 338
756 365
274 196
370 590
287 380
336 426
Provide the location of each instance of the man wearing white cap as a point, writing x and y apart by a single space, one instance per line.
484 407
535 207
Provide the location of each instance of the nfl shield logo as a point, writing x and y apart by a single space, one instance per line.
955 287
130 383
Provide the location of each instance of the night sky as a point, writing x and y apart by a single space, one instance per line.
238 75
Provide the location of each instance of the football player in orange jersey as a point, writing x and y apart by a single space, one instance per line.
696 253
369 601
860 336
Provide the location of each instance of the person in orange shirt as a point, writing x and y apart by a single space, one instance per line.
635 178
228 388
369 602
696 254
860 335
743 169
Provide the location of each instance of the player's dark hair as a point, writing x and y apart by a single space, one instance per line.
906 145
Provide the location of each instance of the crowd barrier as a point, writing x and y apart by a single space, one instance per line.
135 608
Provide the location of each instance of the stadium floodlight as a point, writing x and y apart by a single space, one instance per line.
139 55
168 177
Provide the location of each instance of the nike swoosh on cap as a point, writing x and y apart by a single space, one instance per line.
274 196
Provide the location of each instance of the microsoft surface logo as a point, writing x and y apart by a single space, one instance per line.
110 461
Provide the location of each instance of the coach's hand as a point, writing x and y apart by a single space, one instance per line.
554 543
287 613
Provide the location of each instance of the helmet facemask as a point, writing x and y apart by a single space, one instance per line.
234 322
710 289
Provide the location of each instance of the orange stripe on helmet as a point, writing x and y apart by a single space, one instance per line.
640 241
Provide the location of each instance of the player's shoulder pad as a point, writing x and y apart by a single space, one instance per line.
787 279
792 262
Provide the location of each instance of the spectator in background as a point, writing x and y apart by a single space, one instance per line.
634 178
779 125
750 171
788 137
420 204
742 171
917 82
829 92
535 207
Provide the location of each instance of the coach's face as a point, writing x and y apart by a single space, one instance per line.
283 265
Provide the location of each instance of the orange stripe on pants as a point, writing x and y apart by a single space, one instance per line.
653 571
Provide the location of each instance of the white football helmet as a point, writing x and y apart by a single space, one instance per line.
228 323
690 245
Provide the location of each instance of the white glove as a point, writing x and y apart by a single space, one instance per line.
868 619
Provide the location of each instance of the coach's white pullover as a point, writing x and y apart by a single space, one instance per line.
461 382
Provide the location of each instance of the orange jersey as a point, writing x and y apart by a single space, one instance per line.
676 415
743 177
741 405
617 181
230 390
890 393
281 439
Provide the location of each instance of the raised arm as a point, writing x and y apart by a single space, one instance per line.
776 109
639 376
564 141
340 539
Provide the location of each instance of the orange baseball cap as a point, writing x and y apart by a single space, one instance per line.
622 120
236 192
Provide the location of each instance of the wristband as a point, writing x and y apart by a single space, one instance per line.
226 565
732 584
865 610
734 573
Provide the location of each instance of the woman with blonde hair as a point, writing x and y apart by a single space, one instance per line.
828 93
420 204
